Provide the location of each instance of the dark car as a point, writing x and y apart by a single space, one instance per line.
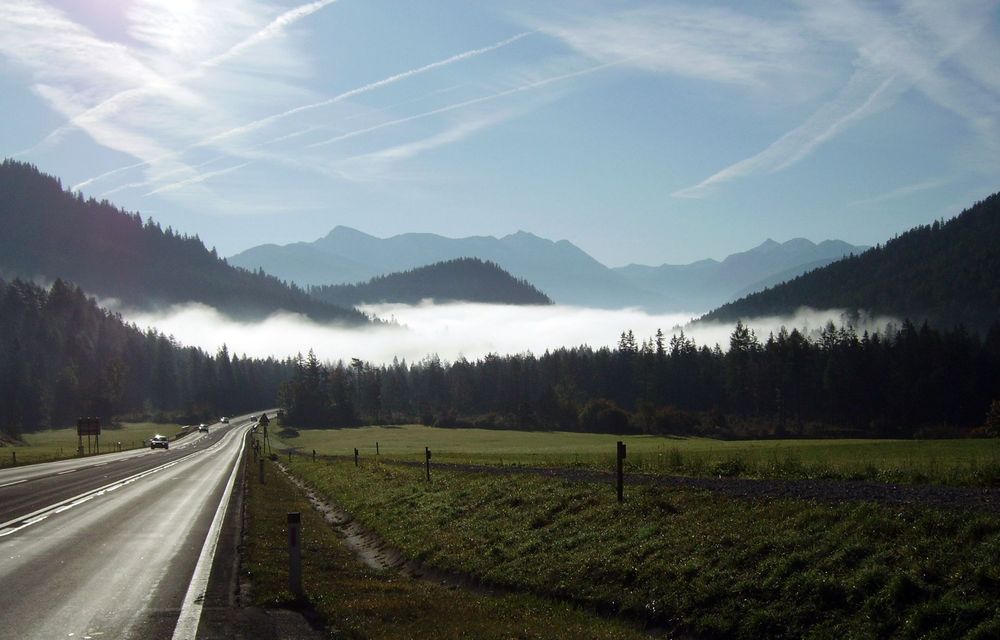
203 428
159 442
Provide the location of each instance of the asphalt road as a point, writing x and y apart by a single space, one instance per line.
121 545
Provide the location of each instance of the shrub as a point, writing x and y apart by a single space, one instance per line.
993 420
671 420
603 416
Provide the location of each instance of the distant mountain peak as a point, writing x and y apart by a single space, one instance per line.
524 236
342 231
799 243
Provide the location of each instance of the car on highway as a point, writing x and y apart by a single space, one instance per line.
203 428
224 420
159 442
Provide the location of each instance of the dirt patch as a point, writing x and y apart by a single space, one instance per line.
371 550
9 441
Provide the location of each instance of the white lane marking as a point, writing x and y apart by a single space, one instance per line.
99 465
190 616
62 473
7 528
16 524
11 484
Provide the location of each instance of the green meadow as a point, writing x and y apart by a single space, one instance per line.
687 561
974 462
355 601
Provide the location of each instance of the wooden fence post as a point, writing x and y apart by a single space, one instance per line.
621 471
295 553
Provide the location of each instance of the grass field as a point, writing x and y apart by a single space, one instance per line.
58 444
358 602
691 561
974 462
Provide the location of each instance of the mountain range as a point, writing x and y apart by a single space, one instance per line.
563 271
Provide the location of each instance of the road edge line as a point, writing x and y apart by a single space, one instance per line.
190 615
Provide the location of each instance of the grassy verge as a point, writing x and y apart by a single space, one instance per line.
965 462
59 444
362 603
711 565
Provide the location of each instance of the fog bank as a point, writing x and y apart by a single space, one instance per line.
451 330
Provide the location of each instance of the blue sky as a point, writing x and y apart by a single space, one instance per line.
645 132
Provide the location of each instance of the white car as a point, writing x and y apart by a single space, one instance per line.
159 442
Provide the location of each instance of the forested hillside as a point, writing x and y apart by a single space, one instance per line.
462 279
896 383
61 356
51 233
946 273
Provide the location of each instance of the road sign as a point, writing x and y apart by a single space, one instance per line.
88 427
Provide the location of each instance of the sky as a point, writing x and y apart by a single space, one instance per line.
646 132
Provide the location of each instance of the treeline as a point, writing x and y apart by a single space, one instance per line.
947 273
61 357
53 233
903 381
465 279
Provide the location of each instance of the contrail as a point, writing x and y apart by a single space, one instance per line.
113 103
252 126
108 174
365 89
152 181
467 103
198 178
272 29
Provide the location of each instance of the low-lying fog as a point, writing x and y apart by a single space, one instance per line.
451 330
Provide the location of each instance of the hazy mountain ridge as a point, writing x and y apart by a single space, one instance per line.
51 233
462 279
564 271
946 273
708 283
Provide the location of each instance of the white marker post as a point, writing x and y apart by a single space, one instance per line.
295 554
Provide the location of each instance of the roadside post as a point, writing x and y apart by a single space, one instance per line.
427 454
295 553
355 456
376 447
621 471
261 461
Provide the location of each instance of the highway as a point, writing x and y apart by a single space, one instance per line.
122 545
